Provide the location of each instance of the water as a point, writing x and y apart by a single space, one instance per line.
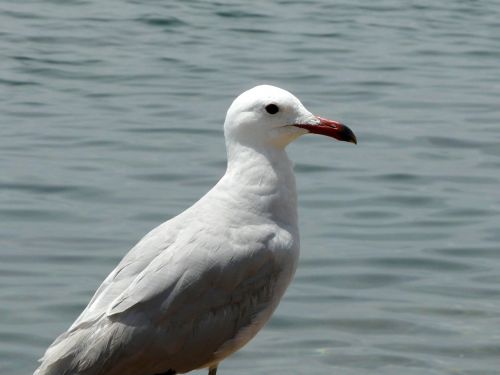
110 121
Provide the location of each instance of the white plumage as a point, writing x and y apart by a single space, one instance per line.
201 285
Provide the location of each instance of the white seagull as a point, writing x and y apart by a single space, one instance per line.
198 287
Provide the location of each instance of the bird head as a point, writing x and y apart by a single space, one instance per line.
268 115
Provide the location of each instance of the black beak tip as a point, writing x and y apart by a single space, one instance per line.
348 135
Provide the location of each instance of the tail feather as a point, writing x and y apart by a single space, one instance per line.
78 351
60 356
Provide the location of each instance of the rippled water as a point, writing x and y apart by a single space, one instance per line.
111 122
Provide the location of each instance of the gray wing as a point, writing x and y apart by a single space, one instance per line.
202 273
199 300
169 296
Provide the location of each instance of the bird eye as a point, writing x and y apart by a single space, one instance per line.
272 109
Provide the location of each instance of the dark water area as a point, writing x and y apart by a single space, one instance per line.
111 122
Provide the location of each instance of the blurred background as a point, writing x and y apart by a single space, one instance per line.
111 118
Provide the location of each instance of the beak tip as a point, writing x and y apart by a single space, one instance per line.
348 135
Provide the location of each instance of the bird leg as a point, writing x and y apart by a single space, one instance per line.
212 371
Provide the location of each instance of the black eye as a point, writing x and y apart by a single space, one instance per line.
272 109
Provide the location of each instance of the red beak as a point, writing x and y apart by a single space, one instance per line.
330 128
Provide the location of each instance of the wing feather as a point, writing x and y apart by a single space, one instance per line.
134 262
189 274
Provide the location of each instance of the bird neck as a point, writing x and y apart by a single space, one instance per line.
263 179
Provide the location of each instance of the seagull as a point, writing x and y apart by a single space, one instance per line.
201 285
